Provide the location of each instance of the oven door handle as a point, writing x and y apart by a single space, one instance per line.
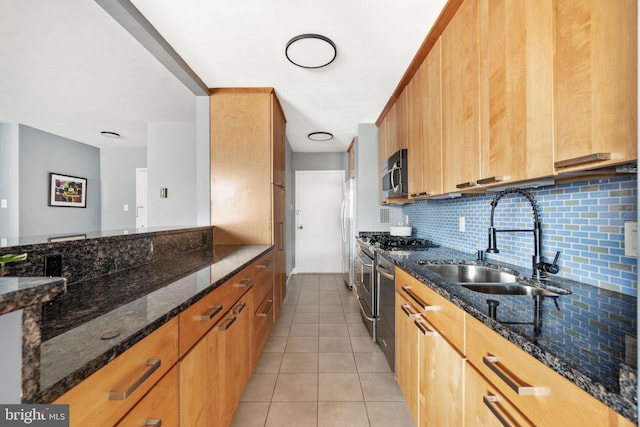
364 263
364 313
385 273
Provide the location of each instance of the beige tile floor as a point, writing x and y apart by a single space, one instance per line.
319 367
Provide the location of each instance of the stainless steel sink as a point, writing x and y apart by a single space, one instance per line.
487 280
508 289
472 274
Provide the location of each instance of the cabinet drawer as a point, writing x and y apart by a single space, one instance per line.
442 314
201 316
158 407
263 277
263 321
540 393
113 390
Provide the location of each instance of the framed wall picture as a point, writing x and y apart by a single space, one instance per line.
67 191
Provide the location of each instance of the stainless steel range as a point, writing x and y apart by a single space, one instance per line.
376 285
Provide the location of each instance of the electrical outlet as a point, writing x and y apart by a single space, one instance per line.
631 238
461 224
53 265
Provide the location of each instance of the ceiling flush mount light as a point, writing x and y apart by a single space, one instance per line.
109 134
320 136
311 51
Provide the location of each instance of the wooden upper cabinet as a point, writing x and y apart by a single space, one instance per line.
460 99
402 133
415 93
595 83
382 154
278 143
516 56
430 73
352 159
247 136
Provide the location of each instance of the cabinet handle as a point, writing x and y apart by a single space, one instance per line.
243 283
384 273
155 422
423 328
266 310
226 326
153 365
424 193
265 265
491 403
239 307
493 179
527 390
405 308
595 157
216 310
423 305
466 184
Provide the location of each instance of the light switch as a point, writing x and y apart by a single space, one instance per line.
461 224
3 203
631 238
126 208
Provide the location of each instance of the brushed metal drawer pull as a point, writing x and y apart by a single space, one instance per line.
155 422
493 179
405 308
243 283
267 309
466 184
527 390
266 264
423 328
216 309
595 157
153 365
239 307
226 326
423 305
490 402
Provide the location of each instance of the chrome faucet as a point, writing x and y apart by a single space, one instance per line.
538 265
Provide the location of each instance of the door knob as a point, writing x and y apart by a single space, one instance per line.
300 227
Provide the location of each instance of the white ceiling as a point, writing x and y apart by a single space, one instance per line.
68 68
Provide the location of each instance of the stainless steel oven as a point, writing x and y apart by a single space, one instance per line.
366 288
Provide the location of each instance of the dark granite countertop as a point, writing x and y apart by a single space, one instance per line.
134 302
586 338
19 292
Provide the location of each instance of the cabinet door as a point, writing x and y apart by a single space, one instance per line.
516 53
382 154
441 379
279 269
485 406
159 407
201 402
430 73
595 83
278 142
402 137
460 99
415 93
407 338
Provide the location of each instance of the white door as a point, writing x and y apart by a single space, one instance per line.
141 197
318 199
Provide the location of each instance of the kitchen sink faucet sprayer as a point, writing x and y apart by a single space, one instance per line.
539 266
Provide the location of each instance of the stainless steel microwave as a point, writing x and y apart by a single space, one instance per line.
395 182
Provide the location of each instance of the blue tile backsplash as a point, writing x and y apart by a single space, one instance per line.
583 220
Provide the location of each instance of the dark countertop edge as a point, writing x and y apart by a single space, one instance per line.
613 400
30 291
74 378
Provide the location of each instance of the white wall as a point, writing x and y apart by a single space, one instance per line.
10 176
171 163
118 168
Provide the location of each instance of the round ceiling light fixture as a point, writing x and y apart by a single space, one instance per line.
311 51
109 134
320 136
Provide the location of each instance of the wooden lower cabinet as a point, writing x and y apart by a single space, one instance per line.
213 374
407 346
487 407
159 407
441 383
